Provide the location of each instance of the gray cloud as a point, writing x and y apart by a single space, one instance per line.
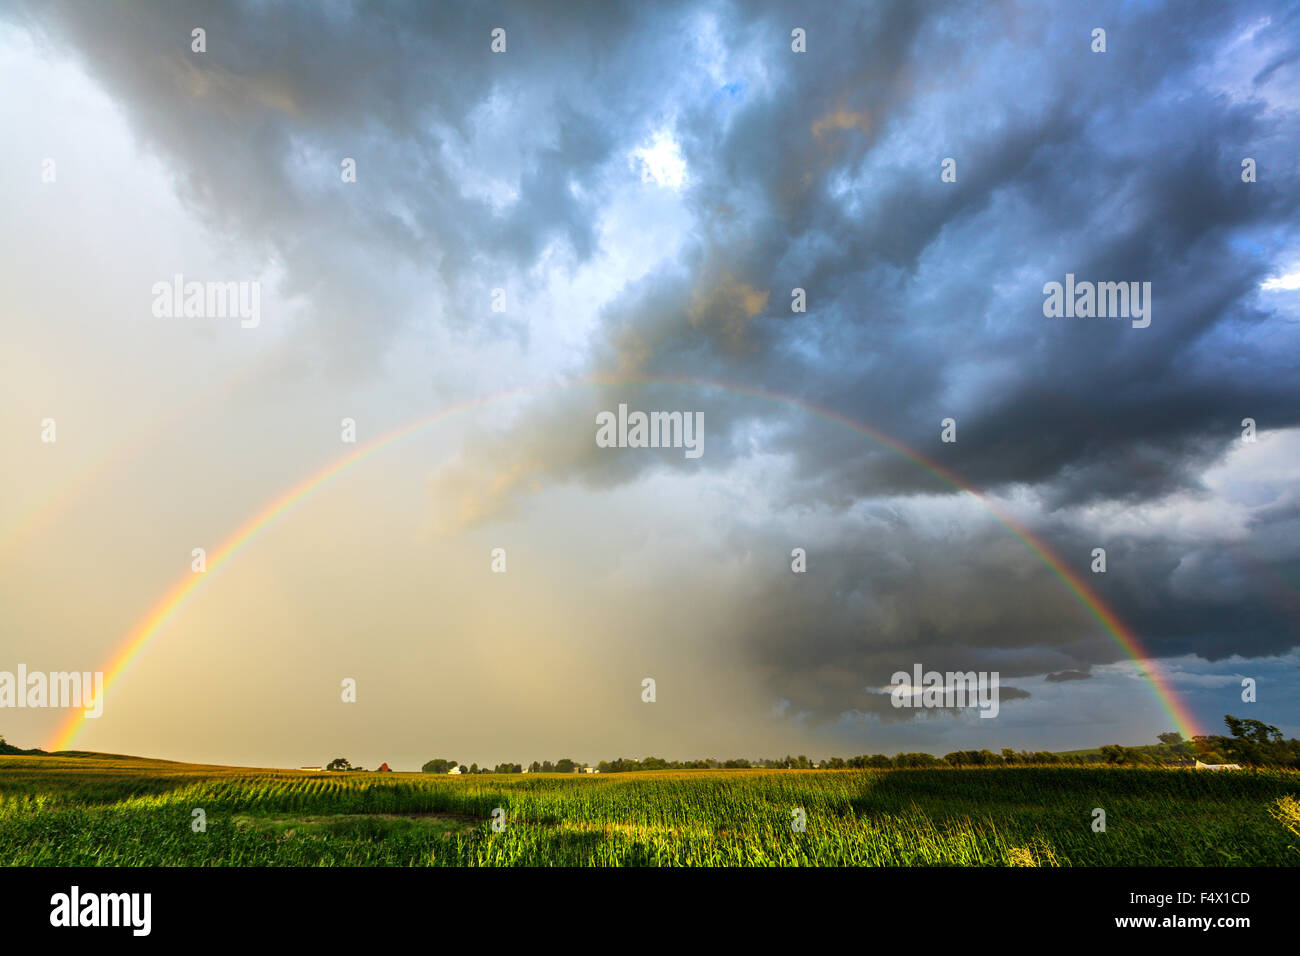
1062 676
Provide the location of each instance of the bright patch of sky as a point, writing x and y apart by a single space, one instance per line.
1286 282
661 161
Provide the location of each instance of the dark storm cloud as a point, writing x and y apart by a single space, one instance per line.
1214 598
926 298
883 593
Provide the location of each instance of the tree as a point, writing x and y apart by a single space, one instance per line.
1115 753
1257 744
1253 730
338 763
438 766
915 760
972 758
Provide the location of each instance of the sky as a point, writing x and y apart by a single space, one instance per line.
616 209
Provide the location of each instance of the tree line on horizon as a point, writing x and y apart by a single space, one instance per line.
1252 743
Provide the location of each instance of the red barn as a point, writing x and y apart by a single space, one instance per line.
384 768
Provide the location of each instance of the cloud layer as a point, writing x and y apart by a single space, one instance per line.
650 185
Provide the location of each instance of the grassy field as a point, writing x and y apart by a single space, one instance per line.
123 811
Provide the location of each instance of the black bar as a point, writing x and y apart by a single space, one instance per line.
229 904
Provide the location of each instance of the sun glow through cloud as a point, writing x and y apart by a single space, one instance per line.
662 162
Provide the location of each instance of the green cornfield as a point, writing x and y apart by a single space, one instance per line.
101 811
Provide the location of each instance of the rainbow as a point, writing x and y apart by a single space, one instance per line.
171 603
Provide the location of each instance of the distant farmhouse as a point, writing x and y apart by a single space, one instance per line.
384 768
312 769
454 770
1217 766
